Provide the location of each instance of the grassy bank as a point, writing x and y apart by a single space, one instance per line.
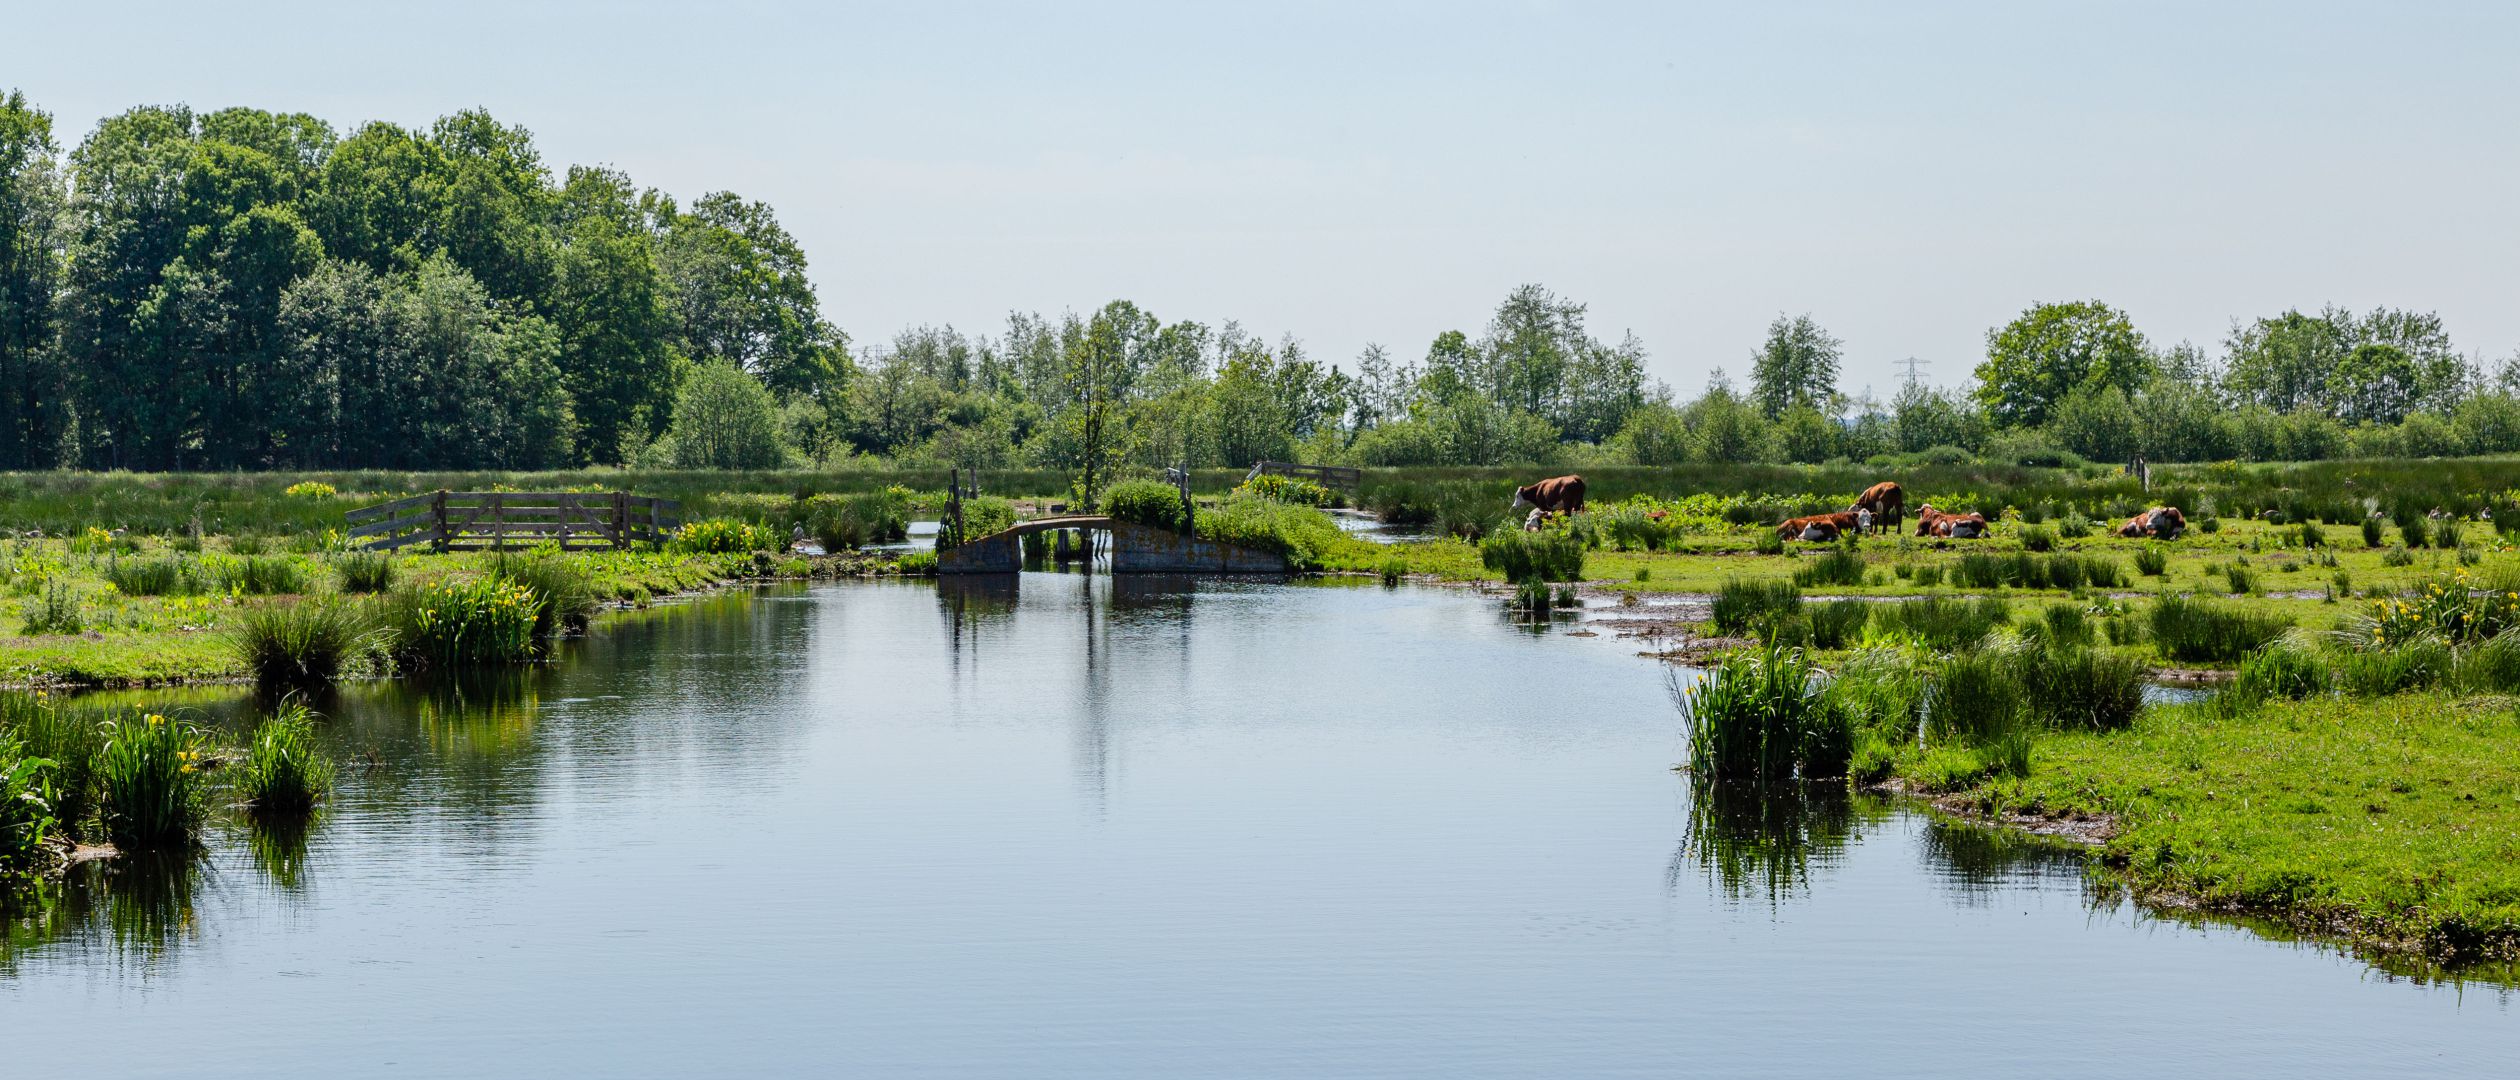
2391 823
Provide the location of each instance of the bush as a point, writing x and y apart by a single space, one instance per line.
309 489
2372 534
2311 535
718 536
284 773
986 515
2150 562
155 577
1764 716
365 571
1286 489
262 575
1744 605
1841 566
1303 535
298 645
1554 553
456 622
2447 534
2200 631
916 564
150 784
2283 669
2412 531
26 810
1152 503
2242 580
1395 568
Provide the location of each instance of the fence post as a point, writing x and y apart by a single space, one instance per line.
620 523
437 514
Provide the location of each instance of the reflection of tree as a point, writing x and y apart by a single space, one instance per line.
972 603
1761 841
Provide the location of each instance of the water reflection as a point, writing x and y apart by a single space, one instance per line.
133 911
1977 861
1763 841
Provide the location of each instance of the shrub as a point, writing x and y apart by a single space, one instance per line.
150 785
564 594
262 575
2037 538
1743 605
2150 562
1764 716
1152 503
460 621
2283 669
70 740
2311 535
1944 622
1285 489
154 577
1395 567
2372 534
298 645
365 571
717 536
284 772
984 515
55 609
916 564
1841 566
2195 630
1548 554
2412 531
2240 577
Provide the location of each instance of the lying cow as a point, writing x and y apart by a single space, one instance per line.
1556 495
1887 503
1818 528
2159 523
1932 522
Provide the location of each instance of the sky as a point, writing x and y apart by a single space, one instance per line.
1909 174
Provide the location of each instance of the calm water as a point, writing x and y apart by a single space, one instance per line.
1145 830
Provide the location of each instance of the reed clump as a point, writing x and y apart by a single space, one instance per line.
365 571
1743 606
461 621
302 645
152 794
284 772
2201 631
1764 716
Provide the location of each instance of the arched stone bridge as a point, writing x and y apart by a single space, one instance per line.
1135 549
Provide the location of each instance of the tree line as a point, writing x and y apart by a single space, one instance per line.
243 289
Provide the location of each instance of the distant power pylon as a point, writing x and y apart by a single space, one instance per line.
1912 364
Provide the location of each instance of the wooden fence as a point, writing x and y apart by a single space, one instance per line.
1324 475
498 520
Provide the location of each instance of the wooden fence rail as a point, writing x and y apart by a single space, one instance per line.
497 520
1324 475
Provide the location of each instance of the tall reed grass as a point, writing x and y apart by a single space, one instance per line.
459 621
1742 606
285 771
1764 716
2201 631
301 645
151 790
365 571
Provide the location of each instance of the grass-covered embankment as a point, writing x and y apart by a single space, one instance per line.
2392 823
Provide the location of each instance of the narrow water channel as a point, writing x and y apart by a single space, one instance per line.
1087 828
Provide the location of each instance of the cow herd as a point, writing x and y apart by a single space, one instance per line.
1881 508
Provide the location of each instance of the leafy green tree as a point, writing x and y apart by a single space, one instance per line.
1654 435
1723 428
2376 384
2051 350
608 302
1805 437
1922 418
725 419
2284 362
742 297
379 198
35 409
1796 368
2099 423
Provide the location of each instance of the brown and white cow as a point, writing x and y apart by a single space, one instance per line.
1817 527
1888 503
1555 495
2159 523
1932 522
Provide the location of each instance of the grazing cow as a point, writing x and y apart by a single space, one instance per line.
2159 523
1556 495
1887 501
1817 527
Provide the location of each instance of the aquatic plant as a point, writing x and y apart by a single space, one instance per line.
2287 668
718 536
26 812
1841 566
365 571
2072 686
1395 568
854 521
150 788
2196 630
916 564
1763 715
299 645
564 593
285 771
1288 489
67 737
1743 605
459 621
1552 553
1943 622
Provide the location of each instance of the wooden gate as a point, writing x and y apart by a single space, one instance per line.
499 520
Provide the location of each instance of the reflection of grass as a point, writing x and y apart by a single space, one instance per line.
1761 842
279 848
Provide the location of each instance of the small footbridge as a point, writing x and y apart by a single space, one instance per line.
1135 549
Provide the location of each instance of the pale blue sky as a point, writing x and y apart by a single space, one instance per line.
1908 173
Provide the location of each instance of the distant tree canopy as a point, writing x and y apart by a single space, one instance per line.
245 289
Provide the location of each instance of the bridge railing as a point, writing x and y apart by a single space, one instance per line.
498 520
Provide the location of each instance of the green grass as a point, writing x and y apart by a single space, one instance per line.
2389 822
461 621
1745 605
151 790
1764 716
302 645
1549 554
365 571
2189 629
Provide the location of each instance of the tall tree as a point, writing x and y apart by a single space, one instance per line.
741 295
1797 367
35 412
608 302
2052 350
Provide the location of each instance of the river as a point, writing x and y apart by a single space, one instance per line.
1088 828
